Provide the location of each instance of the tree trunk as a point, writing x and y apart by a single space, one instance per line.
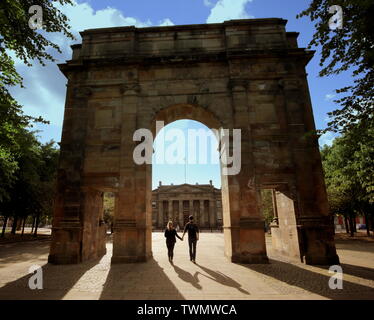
351 225
346 224
33 224
19 222
367 224
23 226
14 225
36 225
4 227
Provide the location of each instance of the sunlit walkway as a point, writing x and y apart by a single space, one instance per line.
213 277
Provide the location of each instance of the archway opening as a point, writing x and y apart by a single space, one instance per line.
186 179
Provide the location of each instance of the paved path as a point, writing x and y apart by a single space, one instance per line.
213 277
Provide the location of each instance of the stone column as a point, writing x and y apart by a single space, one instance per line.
69 213
202 213
160 219
244 223
133 228
94 229
314 222
212 214
190 211
198 211
181 222
170 211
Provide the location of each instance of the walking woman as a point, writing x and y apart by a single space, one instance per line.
170 234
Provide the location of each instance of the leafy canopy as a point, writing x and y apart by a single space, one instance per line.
348 49
18 40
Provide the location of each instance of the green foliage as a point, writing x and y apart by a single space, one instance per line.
17 39
34 180
350 48
349 171
267 205
108 207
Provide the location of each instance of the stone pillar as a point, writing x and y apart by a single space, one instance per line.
94 229
212 214
202 213
170 211
69 209
285 236
247 225
196 206
308 192
190 209
133 228
160 214
181 222
244 223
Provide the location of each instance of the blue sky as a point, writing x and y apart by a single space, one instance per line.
191 172
45 86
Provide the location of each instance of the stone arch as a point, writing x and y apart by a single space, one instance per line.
186 111
195 112
233 69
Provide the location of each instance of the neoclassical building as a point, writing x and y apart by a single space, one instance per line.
178 202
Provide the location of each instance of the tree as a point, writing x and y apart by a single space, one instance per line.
109 209
267 206
26 44
47 182
349 181
33 190
349 48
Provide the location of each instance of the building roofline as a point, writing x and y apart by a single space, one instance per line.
186 26
185 184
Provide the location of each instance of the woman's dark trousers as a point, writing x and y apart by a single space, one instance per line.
170 245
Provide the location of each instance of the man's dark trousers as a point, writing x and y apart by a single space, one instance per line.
192 244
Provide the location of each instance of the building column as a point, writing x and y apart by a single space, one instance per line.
212 214
190 210
160 219
181 222
170 210
202 213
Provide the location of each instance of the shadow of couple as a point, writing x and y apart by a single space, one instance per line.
216 276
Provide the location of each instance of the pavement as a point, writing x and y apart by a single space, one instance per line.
212 277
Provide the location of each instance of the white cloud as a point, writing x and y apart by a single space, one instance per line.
166 22
208 3
228 10
45 86
329 96
327 138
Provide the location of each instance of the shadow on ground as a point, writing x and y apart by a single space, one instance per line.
221 278
314 282
357 271
354 245
188 277
148 281
57 282
14 253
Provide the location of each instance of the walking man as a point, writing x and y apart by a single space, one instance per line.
193 236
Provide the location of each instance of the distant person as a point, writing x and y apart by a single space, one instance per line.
193 237
170 234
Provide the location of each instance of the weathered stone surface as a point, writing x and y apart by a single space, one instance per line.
242 74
